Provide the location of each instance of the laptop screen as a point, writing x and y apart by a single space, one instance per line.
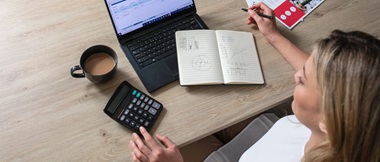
130 15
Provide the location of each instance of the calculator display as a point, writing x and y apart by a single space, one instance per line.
116 101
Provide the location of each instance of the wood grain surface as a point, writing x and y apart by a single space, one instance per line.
47 115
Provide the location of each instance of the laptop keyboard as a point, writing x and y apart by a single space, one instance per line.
153 47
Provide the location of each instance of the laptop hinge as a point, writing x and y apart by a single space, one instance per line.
126 40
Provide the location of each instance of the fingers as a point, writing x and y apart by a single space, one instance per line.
260 21
134 157
149 139
152 150
250 20
137 155
166 141
255 17
141 145
258 7
261 8
142 151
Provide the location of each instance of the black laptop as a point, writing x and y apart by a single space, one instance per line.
146 32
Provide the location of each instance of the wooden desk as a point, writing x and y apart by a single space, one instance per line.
46 115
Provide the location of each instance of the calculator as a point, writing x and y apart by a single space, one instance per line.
133 108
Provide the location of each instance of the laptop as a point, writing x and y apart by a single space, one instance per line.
146 32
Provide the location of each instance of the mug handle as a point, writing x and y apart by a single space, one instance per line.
77 75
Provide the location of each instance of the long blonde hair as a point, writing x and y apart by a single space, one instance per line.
348 75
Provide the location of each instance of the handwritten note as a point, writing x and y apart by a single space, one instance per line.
239 58
198 57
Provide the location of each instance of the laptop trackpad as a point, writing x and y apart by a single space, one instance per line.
173 65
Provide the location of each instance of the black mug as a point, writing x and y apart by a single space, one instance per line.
98 64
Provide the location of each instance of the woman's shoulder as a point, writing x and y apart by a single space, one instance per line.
286 139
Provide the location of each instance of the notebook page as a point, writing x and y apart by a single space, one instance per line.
239 59
198 59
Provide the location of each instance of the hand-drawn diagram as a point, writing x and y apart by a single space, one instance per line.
202 63
237 53
237 71
229 39
233 55
188 43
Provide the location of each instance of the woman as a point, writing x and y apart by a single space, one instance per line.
337 97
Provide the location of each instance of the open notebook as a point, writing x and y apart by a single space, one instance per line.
217 57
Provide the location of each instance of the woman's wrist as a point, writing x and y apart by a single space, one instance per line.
273 37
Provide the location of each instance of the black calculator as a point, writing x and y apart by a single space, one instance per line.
133 108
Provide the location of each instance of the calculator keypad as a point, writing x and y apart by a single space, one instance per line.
142 111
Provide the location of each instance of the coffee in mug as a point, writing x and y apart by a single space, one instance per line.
98 64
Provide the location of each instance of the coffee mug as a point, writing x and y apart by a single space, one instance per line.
97 63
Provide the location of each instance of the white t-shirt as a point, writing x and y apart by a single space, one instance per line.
284 142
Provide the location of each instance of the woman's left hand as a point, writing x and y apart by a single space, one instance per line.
153 151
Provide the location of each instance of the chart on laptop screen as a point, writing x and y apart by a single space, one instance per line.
129 15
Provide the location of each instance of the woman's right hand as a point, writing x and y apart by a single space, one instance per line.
266 26
152 151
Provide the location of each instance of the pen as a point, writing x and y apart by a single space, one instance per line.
260 14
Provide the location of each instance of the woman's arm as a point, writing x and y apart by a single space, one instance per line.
294 55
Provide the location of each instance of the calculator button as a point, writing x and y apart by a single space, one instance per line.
134 92
126 112
132 124
135 109
142 105
146 108
136 118
127 120
131 115
150 118
150 102
138 94
122 117
134 100
156 105
141 121
146 124
152 111
145 115
137 126
146 99
140 111
130 106
138 103
142 97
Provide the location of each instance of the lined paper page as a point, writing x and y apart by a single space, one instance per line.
239 59
198 58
